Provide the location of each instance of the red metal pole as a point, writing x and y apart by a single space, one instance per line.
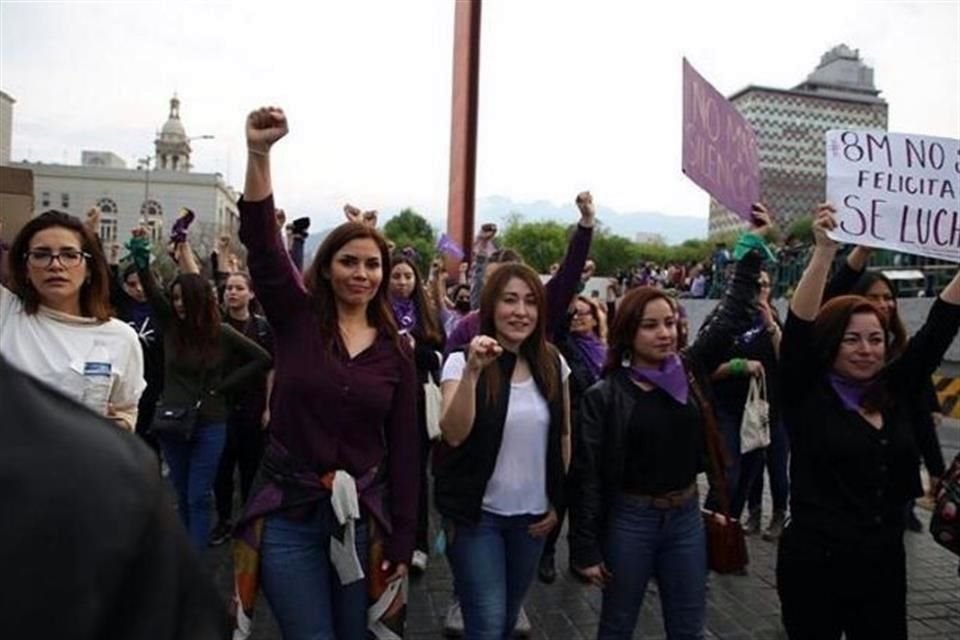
463 130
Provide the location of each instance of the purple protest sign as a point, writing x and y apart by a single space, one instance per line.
447 246
719 146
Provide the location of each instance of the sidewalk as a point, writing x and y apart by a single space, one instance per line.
738 608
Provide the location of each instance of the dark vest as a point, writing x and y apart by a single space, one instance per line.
461 473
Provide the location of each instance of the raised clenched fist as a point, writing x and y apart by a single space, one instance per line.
265 126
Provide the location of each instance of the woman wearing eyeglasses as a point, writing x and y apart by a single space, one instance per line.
55 324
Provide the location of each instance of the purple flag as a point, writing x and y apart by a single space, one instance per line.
719 146
447 246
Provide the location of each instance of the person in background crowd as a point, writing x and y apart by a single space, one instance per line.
91 545
841 565
343 449
499 475
753 354
419 323
4 253
641 442
852 277
55 324
130 305
248 407
460 296
206 360
584 345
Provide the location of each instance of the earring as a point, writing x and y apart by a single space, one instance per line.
625 360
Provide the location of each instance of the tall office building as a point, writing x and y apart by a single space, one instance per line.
790 125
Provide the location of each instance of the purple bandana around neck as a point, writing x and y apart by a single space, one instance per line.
405 313
851 391
594 353
669 376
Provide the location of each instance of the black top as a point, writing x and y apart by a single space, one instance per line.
140 317
730 393
249 400
849 480
665 444
89 545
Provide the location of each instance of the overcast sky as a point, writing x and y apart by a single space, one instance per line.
574 94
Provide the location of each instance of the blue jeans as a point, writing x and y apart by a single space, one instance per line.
493 564
669 544
301 584
193 466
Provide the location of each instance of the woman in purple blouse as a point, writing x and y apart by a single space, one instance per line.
343 427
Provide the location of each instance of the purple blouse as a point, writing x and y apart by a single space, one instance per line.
333 411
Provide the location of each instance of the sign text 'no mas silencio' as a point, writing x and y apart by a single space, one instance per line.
719 146
896 191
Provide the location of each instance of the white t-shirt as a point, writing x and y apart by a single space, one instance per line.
519 482
53 347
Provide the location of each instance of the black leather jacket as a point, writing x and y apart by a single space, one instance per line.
605 410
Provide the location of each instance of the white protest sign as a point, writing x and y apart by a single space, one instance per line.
896 191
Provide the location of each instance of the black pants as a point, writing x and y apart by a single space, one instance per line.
146 408
859 592
423 500
243 449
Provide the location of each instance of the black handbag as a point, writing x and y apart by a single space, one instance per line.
175 421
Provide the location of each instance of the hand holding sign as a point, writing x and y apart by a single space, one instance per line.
824 222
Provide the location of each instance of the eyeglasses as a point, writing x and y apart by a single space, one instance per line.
68 258
581 314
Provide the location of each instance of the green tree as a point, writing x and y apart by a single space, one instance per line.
540 243
613 253
409 229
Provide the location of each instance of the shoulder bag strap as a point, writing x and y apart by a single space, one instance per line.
714 441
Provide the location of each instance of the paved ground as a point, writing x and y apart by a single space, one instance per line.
737 607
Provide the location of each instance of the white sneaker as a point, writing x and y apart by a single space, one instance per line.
419 561
522 628
453 622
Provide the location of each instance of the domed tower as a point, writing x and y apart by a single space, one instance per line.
172 144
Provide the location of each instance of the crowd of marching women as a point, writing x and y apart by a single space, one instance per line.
343 389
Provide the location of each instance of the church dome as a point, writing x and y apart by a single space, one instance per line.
173 128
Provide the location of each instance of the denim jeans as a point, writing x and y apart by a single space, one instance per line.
193 465
669 544
493 565
301 584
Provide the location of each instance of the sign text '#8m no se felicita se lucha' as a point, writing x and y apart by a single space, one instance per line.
896 191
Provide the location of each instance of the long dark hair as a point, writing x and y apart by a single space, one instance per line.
379 314
428 327
898 333
95 291
627 320
198 331
540 355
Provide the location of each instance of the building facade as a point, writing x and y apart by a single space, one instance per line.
790 125
145 195
6 126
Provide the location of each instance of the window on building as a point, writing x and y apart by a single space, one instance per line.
107 206
65 200
45 200
152 214
108 229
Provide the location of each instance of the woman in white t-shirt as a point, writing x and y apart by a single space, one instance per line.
506 445
55 324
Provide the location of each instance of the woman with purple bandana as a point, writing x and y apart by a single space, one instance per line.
419 322
584 345
641 440
847 406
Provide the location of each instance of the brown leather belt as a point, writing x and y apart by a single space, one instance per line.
670 500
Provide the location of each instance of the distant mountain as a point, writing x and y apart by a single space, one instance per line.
674 229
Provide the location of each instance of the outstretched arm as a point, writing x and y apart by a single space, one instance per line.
562 287
809 292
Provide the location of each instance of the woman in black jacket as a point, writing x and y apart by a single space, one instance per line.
841 565
641 442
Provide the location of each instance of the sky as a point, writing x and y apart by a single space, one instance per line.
574 94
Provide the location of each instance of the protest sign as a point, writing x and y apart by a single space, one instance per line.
719 146
895 191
